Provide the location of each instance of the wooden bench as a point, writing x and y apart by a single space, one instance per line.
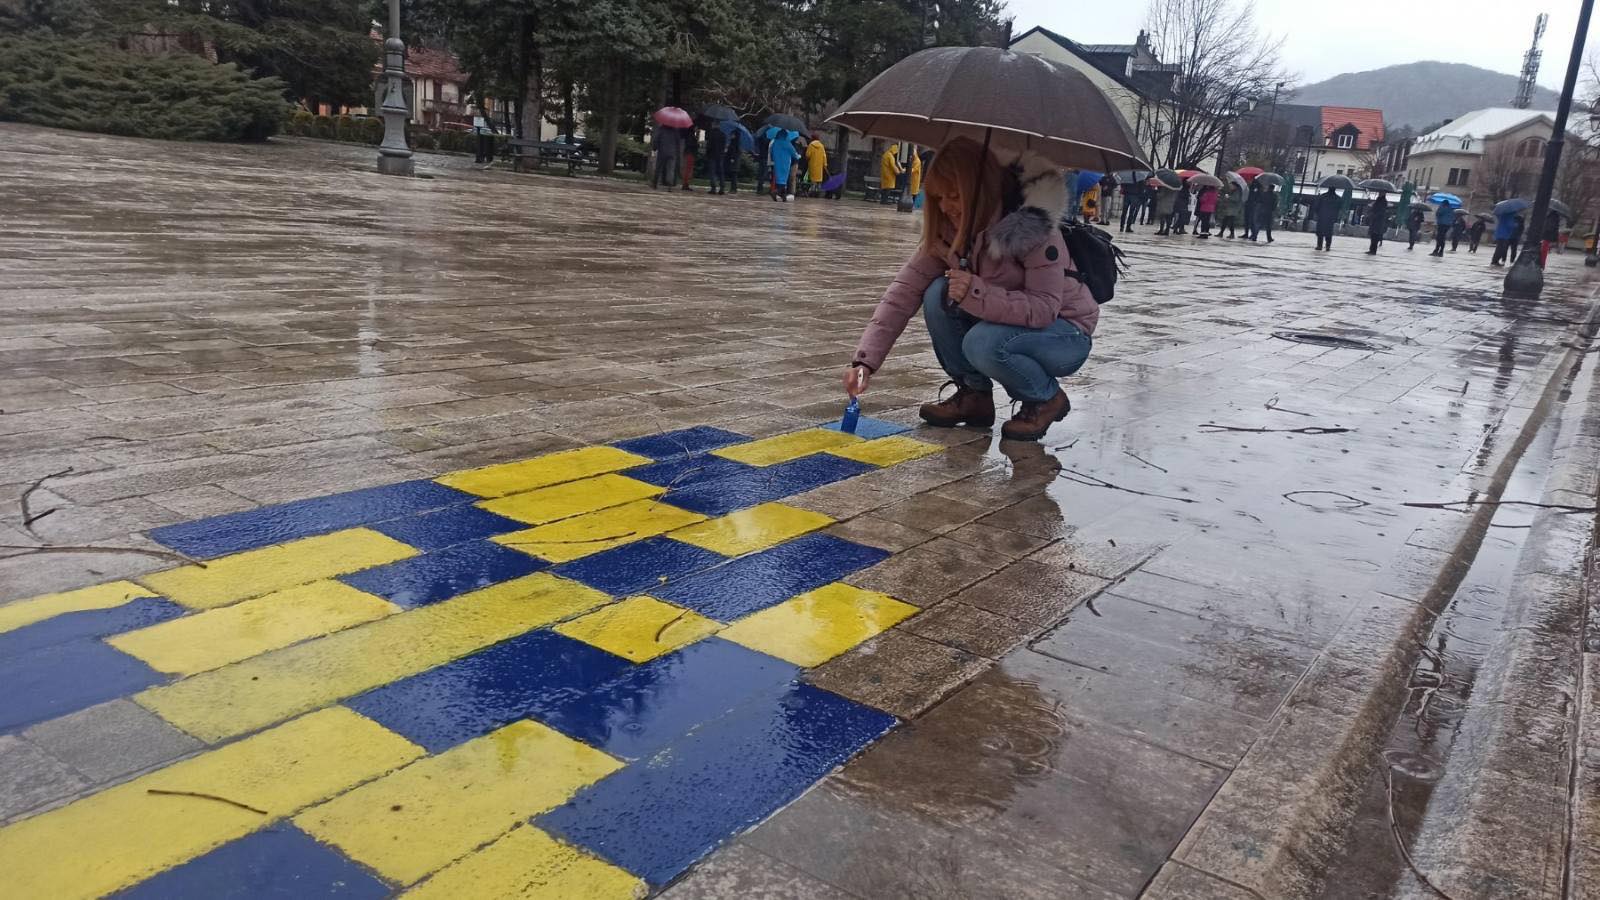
526 152
872 189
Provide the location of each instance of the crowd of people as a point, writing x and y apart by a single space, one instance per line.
786 163
1185 210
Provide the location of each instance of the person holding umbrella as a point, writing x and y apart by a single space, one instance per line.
1443 218
1475 233
1229 207
1180 211
1252 209
1414 226
1325 209
1205 206
1133 197
665 140
1165 205
1377 222
997 290
717 157
1267 208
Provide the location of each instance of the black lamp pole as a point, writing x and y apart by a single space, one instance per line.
1526 278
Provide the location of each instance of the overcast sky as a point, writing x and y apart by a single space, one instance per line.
1325 39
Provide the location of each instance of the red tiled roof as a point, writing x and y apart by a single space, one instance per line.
440 65
1368 121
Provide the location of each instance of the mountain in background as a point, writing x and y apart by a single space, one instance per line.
1421 93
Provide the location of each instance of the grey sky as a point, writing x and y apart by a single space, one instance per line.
1323 40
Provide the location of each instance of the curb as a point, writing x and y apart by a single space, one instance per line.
1280 817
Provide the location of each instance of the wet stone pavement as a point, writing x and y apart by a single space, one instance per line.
524 563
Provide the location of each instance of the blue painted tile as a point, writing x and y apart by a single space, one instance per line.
637 568
656 702
281 861
752 583
54 681
658 817
473 696
670 444
761 485
869 428
252 528
447 527
89 623
687 471
442 574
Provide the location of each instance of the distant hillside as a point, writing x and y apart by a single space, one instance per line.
1421 93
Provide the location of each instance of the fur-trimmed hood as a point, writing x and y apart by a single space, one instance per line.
1044 203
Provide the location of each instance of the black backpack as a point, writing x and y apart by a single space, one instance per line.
1098 261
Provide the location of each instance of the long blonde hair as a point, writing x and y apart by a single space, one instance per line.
957 168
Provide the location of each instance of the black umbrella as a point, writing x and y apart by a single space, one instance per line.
1170 178
787 123
716 112
1378 184
1337 182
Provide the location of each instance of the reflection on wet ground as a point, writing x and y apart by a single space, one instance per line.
215 329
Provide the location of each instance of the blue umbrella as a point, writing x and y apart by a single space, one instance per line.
1442 197
747 141
1086 180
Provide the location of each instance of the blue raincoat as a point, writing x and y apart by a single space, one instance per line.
784 153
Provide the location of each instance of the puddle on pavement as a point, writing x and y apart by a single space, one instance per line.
1439 695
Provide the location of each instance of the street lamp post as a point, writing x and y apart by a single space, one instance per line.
394 154
1526 278
1272 129
1236 110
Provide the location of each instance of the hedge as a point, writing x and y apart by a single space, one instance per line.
90 85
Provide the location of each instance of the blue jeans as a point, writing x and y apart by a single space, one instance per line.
1026 361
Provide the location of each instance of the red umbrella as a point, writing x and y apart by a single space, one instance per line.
1249 173
1187 174
673 117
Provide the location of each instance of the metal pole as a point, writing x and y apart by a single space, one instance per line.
394 154
1526 278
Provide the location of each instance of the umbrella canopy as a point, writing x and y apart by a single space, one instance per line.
1270 178
1158 184
747 141
673 117
1169 178
1237 180
1485 216
1511 207
1131 176
1187 174
1204 180
1249 173
1337 182
1378 184
786 122
1442 197
716 112
1561 209
1086 180
1014 102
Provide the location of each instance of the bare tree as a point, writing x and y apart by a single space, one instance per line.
1223 60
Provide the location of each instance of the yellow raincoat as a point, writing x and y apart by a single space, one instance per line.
916 174
816 161
889 167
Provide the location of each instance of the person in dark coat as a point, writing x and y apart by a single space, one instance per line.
665 141
1414 226
1180 210
716 156
1133 197
1516 238
763 144
690 149
1326 211
1377 222
1551 238
1458 231
1443 219
1475 235
730 164
1267 211
1252 205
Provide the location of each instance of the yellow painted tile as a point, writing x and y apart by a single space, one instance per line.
421 818
527 864
639 628
217 637
47 606
252 573
887 451
265 689
561 501
593 532
785 447
552 468
818 625
752 529
126 834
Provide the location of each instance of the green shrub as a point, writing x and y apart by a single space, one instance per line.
88 85
322 127
344 128
452 140
372 130
300 122
424 140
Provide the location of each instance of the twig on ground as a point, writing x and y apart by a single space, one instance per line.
1355 502
87 548
1273 405
1399 839
1145 461
1210 427
1068 445
245 806
1093 481
113 437
533 542
28 518
1451 504
668 624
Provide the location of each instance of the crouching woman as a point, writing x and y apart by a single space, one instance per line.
1016 313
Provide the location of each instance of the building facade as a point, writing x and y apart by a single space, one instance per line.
1317 141
1483 156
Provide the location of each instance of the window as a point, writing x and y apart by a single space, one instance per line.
1346 141
1451 178
1466 143
1464 174
1530 148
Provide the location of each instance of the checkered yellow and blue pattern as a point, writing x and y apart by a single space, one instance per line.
568 676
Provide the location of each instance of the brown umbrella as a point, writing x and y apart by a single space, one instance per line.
1014 102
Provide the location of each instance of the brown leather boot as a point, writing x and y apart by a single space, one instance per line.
965 406
1035 418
